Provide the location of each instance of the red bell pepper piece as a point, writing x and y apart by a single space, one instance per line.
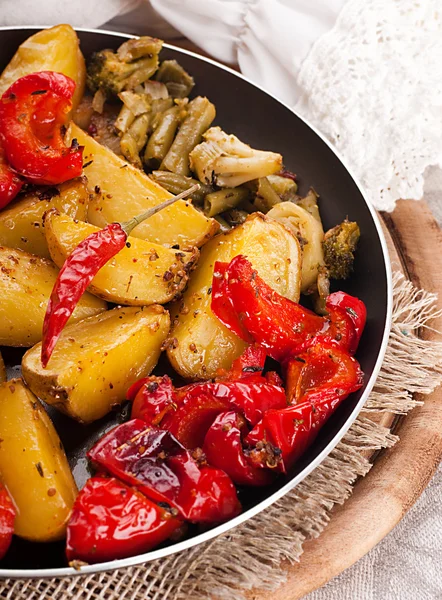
10 182
81 267
111 520
153 397
33 112
156 463
356 311
7 518
323 376
322 371
224 449
252 360
277 324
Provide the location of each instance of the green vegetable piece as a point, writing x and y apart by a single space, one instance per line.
339 246
225 199
178 82
133 141
175 184
200 115
162 138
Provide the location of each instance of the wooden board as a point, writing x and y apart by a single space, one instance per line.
400 474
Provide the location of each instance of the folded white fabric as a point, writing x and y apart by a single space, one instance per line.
367 73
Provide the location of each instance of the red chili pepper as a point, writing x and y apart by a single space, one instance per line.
155 462
356 311
277 324
10 182
33 112
224 449
81 267
111 520
321 378
7 518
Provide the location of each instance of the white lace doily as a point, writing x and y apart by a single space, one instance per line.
373 85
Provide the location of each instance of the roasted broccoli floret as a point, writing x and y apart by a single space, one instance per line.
339 246
225 161
133 63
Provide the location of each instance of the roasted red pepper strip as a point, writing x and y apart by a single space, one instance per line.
322 377
252 360
10 182
80 268
224 449
277 324
33 113
225 311
73 279
152 397
7 518
111 520
153 461
356 311
322 371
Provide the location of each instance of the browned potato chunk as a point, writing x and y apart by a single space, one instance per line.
33 466
139 275
55 49
125 191
26 283
200 344
21 223
96 361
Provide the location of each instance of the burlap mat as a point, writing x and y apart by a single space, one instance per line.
250 556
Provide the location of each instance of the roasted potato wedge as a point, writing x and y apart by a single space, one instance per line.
21 223
199 343
3 376
33 466
124 192
308 230
54 49
138 275
95 361
26 282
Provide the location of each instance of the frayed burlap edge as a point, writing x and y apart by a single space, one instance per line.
250 556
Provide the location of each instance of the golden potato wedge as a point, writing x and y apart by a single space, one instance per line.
139 275
125 192
21 223
200 344
54 49
96 361
26 283
33 466
3 376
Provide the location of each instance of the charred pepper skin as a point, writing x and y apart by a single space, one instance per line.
33 113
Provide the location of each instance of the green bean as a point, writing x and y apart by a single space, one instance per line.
310 204
224 226
159 105
235 217
178 82
225 199
266 197
134 139
161 139
124 120
199 117
176 184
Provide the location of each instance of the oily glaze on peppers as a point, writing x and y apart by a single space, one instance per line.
7 518
10 182
111 520
157 464
33 113
282 327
